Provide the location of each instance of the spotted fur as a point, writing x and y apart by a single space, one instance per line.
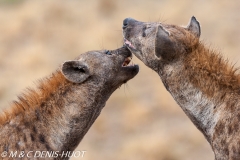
203 83
59 112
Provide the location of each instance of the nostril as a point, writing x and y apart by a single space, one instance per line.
125 23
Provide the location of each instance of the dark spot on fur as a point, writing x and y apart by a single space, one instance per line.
219 129
34 129
6 148
27 124
229 130
42 105
238 116
223 141
223 96
37 114
234 149
143 32
226 151
76 120
32 137
17 146
42 138
18 129
48 147
25 138
49 112
236 127
231 106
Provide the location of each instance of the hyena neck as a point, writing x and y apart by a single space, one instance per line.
55 117
82 105
200 83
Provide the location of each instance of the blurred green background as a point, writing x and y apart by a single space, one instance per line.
141 121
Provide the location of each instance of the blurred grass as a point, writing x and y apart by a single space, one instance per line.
141 120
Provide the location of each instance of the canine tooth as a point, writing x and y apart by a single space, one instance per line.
124 63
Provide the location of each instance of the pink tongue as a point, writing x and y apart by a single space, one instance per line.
130 44
127 42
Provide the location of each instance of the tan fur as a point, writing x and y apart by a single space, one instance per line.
34 97
208 65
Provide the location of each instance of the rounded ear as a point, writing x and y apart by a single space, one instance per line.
194 27
164 47
75 71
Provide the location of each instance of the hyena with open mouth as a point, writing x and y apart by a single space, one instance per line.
204 85
55 117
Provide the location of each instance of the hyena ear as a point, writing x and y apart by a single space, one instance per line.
75 71
164 48
194 27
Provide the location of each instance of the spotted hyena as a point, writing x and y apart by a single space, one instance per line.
56 116
204 85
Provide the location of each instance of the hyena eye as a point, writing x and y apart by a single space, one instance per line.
108 52
146 31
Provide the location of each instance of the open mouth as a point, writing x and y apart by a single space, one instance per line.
129 44
127 61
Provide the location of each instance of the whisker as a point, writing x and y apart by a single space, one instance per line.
126 87
101 45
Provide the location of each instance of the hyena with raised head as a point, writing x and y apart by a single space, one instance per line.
204 85
56 116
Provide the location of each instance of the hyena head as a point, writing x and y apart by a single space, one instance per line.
158 43
111 68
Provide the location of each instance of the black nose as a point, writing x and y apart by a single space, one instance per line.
126 22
